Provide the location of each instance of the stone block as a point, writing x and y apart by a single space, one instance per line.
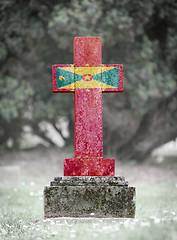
89 197
89 167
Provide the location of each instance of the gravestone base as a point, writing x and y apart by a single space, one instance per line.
100 197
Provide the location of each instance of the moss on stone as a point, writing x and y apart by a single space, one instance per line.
80 201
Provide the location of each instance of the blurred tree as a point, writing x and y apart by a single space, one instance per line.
141 35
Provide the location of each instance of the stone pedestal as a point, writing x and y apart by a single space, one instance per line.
89 197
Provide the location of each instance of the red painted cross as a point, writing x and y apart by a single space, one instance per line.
87 78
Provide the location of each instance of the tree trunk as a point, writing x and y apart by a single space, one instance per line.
156 127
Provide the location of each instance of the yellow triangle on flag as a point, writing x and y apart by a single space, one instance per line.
87 70
85 84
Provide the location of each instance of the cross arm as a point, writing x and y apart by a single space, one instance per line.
67 78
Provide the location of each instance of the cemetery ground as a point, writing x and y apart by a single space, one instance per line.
23 176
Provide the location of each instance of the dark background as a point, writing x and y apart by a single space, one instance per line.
141 35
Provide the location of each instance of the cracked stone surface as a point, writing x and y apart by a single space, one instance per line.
89 197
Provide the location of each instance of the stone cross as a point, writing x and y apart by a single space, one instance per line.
88 78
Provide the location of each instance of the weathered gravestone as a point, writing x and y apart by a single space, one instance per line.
89 187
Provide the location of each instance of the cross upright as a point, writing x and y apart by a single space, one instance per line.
88 78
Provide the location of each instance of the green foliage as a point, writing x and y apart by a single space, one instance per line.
36 34
15 96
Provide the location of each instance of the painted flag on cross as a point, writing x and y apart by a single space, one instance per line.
107 77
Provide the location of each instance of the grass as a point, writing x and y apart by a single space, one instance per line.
21 216
21 202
